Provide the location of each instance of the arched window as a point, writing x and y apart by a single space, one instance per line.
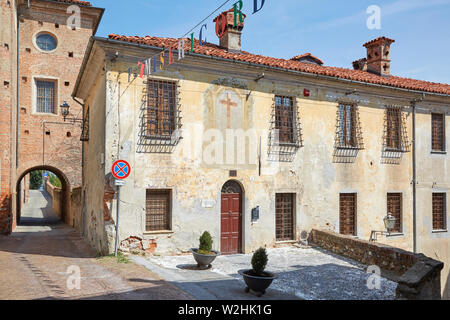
231 187
46 42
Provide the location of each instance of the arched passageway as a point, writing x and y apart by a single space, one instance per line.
45 206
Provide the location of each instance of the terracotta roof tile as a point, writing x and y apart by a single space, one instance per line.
308 54
210 49
83 3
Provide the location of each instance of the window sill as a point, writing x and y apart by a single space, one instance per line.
152 233
347 148
286 242
439 231
438 152
395 234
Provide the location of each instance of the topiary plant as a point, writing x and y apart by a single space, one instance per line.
259 261
205 243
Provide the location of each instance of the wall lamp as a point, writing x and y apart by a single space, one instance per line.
389 223
65 113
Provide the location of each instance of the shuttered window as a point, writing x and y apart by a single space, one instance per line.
45 96
439 211
395 208
347 126
394 129
161 108
347 214
284 121
285 216
158 210
438 132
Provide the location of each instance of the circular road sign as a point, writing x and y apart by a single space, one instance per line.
121 169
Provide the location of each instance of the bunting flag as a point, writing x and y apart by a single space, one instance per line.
150 65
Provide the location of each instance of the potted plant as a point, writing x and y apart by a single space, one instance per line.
257 279
204 255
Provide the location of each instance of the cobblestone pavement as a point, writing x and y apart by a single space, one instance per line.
40 258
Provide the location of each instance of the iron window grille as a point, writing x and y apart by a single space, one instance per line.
285 216
439 211
45 96
348 128
85 128
395 208
395 136
347 213
285 135
438 132
158 210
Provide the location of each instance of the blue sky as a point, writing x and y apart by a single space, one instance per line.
331 30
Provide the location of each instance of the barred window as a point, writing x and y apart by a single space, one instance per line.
45 96
394 128
347 126
284 118
161 108
285 216
347 214
158 210
394 207
438 132
439 211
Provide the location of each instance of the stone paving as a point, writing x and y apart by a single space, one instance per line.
305 273
36 262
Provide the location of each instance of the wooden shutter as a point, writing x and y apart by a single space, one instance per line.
284 216
438 132
158 210
348 211
394 206
161 111
285 118
439 211
347 126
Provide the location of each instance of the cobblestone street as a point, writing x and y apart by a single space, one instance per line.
37 259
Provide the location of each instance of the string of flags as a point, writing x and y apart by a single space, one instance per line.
159 61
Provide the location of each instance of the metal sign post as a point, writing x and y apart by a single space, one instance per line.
120 170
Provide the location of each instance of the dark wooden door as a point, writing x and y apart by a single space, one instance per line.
347 219
231 224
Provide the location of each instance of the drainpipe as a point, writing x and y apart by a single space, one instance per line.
82 170
414 163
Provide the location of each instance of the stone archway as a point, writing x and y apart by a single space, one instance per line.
65 194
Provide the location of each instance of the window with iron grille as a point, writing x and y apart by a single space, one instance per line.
439 211
158 210
285 118
347 126
161 109
393 127
347 213
45 102
395 208
438 132
285 216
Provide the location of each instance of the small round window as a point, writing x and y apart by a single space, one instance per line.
46 42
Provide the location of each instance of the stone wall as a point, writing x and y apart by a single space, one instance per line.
76 209
56 195
419 276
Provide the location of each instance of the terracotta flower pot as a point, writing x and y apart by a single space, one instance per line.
257 283
204 260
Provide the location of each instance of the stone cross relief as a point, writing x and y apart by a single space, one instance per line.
229 103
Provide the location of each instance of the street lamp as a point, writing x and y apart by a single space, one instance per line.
65 112
389 224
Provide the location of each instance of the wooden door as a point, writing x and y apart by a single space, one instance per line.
231 224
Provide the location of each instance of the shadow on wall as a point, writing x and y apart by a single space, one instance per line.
5 209
446 292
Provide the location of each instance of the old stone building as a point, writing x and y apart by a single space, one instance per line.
42 47
260 150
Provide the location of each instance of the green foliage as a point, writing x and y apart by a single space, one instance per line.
259 261
35 180
54 180
205 243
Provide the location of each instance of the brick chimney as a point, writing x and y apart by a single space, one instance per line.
379 56
230 36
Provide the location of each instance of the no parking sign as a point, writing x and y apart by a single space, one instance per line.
121 169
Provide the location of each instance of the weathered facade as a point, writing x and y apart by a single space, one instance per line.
259 151
34 134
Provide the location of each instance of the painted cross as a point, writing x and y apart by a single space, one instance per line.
229 104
